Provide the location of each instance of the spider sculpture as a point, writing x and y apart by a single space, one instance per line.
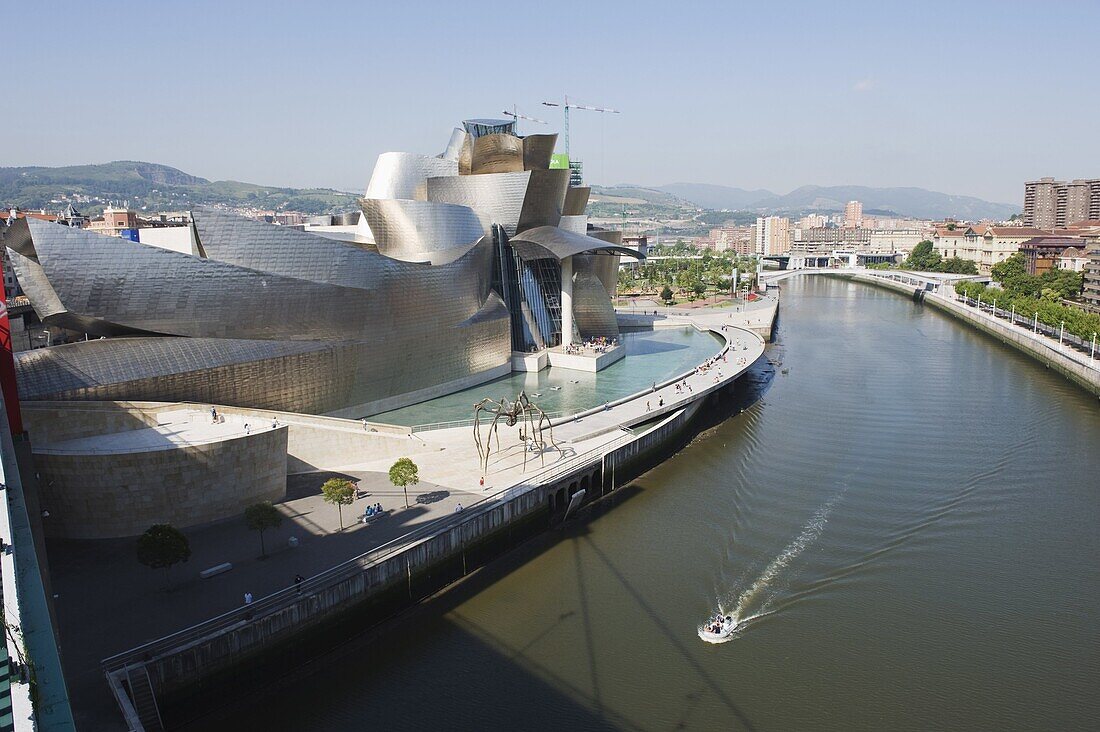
512 412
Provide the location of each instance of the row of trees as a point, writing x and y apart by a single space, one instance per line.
925 258
694 278
1034 294
162 545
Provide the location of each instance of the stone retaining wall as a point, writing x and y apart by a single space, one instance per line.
117 494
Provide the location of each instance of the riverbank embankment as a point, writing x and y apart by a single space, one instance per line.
1063 359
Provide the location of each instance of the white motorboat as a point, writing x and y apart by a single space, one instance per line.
718 629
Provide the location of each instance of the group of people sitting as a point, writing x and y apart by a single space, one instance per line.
372 511
599 344
716 623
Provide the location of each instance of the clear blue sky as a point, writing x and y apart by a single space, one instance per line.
962 97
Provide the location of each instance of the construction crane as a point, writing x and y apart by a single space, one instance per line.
566 106
514 114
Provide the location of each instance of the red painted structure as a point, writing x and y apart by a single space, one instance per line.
7 368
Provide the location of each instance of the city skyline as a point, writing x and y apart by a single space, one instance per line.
902 102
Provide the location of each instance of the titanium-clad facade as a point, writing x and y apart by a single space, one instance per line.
458 262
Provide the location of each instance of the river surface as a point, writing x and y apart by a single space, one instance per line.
909 518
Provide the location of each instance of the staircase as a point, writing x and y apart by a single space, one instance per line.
143 698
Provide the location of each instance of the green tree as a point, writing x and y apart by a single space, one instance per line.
1064 282
666 294
699 288
261 517
924 257
161 546
339 492
404 473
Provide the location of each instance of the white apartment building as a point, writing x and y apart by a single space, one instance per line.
853 215
773 235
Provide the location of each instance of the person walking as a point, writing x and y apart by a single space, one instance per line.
248 598
298 580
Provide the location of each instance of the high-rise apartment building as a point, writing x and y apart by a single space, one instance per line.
773 235
1050 204
853 215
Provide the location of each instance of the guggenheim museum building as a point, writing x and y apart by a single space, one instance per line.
458 261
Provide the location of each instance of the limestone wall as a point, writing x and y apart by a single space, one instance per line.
313 443
94 495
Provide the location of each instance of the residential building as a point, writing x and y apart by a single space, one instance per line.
1050 203
738 239
114 221
812 221
1072 258
853 215
1041 253
773 235
984 244
1091 291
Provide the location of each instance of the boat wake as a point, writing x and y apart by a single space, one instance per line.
754 602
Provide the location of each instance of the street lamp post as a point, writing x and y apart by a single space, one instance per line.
994 307
1061 333
1014 313
1092 353
1035 325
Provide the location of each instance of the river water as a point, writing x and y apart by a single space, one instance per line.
908 516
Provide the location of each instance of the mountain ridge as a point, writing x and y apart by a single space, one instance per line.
905 200
152 186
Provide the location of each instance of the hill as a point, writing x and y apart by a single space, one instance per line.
152 187
717 197
915 202
636 194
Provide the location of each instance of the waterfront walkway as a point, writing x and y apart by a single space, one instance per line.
98 623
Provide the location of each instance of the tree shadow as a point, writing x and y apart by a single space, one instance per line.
432 497
304 485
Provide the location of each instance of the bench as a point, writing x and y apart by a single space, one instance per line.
215 570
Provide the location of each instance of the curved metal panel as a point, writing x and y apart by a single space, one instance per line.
611 236
593 311
454 145
466 155
497 154
161 291
553 241
542 206
411 230
403 175
499 196
576 200
538 150
315 377
574 224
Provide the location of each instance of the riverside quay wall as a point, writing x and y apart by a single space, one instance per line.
221 659
1037 346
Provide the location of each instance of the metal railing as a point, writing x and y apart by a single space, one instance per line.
1037 327
464 423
